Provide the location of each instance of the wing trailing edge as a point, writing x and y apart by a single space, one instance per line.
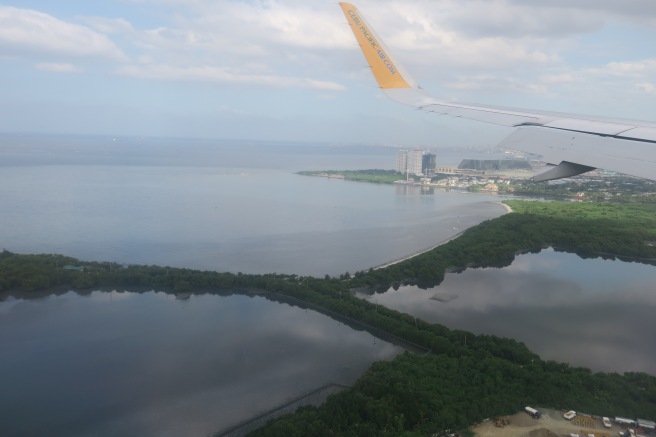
574 143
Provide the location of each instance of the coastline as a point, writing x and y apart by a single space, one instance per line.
507 208
398 260
63 289
504 206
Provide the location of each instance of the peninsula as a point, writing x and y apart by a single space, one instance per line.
373 175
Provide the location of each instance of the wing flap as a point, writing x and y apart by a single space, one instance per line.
641 133
579 125
611 153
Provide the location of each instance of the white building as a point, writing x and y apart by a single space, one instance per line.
415 160
410 161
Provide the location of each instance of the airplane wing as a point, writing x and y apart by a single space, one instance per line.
573 143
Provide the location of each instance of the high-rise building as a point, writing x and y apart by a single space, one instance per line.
416 162
428 164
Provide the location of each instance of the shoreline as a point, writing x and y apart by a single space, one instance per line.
507 208
63 289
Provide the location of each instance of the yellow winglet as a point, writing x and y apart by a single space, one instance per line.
386 71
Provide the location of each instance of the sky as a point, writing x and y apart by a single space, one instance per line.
290 70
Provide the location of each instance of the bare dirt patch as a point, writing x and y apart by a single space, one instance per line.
551 424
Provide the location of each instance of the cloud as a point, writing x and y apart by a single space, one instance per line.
109 25
498 47
291 22
556 54
631 69
223 75
508 18
536 18
266 29
25 32
57 67
557 78
647 87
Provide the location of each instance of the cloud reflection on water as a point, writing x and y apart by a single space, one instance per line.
592 313
148 364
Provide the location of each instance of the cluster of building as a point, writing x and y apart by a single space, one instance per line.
422 163
416 162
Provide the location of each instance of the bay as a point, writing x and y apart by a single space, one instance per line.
218 206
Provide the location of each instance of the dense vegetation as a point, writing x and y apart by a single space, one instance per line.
609 230
374 175
465 377
427 395
619 188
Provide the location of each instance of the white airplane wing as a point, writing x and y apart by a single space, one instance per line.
574 143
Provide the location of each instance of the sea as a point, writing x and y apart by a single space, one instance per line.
218 205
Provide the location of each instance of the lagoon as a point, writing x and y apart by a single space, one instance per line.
120 363
594 313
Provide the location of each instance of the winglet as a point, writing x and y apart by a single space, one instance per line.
388 73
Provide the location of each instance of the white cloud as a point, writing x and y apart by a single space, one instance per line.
557 78
57 67
647 87
515 19
523 53
631 69
26 32
555 19
223 75
109 25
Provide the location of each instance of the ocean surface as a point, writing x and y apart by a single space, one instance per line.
224 206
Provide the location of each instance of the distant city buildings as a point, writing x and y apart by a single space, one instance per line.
416 162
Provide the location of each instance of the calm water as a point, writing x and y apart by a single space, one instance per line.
593 313
147 364
214 206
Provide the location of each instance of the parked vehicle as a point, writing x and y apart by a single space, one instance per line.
532 412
